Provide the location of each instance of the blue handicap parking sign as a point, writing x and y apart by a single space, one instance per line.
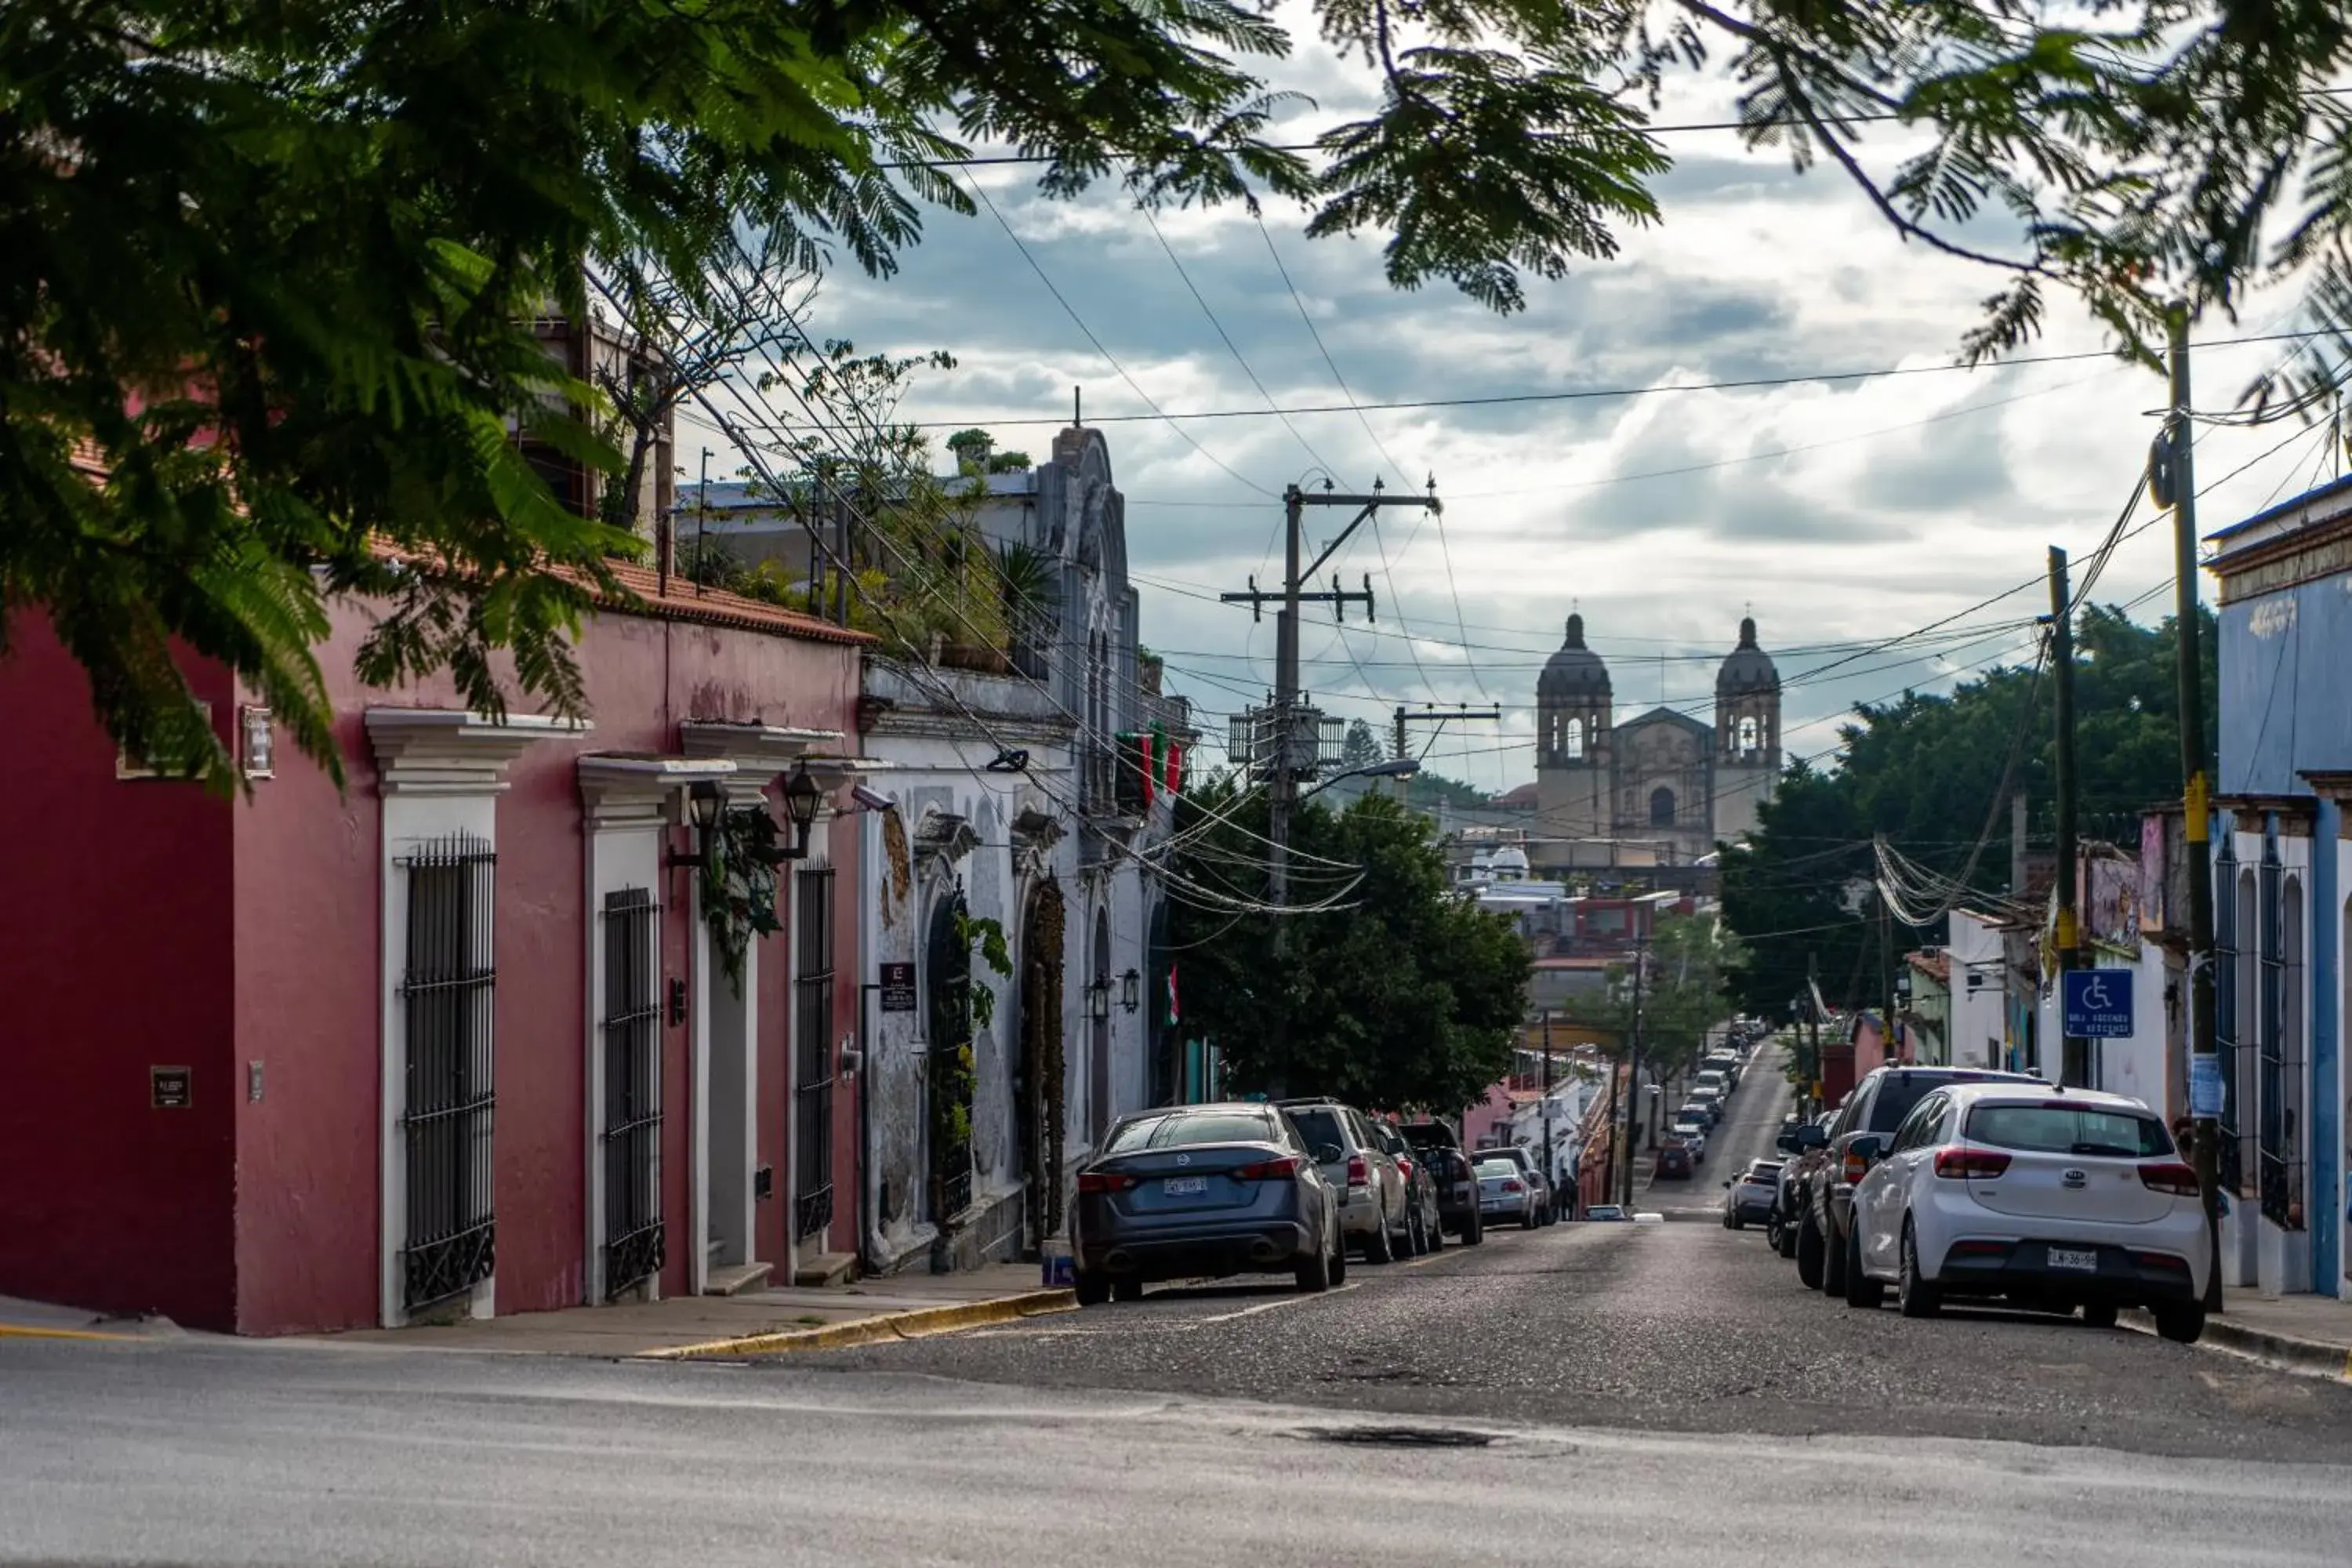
2098 1002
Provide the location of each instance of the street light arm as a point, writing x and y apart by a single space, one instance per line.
1395 768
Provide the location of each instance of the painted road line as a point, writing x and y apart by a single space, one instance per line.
26 1332
917 1322
1298 1301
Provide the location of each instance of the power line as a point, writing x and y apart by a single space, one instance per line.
1741 384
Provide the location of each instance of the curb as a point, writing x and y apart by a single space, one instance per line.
914 1323
25 1332
2309 1358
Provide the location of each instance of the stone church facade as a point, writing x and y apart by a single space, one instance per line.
1661 788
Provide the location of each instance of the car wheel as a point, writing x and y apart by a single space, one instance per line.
1810 1261
1733 1222
1772 1230
1833 1263
2099 1314
1375 1246
1916 1297
2180 1321
1093 1289
1126 1290
1474 1230
1786 1244
1436 1233
1861 1289
1528 1220
1314 1274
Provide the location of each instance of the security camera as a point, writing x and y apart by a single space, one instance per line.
871 800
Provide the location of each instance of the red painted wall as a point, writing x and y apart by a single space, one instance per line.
117 958
177 929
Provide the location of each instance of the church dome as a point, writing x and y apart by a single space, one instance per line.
1575 670
1748 667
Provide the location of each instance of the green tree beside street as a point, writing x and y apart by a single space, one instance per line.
1404 996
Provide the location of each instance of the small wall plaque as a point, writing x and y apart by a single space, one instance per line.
170 1088
897 988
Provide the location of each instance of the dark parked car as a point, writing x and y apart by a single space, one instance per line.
1457 1184
1424 1221
1802 1143
1748 1198
1673 1161
1877 1107
1202 1190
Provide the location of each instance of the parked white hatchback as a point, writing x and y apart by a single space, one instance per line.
2046 1197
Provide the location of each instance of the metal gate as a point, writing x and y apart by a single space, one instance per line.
446 988
949 1066
634 1242
2269 1092
812 1047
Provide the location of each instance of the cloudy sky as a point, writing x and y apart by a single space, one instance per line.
1842 511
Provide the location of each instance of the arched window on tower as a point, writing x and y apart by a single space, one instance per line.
1573 747
1662 807
1751 737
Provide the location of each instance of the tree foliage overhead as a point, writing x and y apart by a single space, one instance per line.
1926 771
269 268
1410 997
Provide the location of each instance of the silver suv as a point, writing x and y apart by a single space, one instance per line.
1375 1215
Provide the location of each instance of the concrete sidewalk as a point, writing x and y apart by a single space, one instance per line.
2309 1334
758 1322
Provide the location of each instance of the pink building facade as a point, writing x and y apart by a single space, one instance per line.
454 1038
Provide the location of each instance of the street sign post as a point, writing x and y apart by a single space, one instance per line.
2099 1003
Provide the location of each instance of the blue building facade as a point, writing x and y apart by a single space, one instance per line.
2281 865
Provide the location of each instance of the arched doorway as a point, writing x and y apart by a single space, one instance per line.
948 1078
1043 1080
1662 807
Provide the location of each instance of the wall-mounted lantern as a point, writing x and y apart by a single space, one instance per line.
706 803
1131 991
802 797
1099 997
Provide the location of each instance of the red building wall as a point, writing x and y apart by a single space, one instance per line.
175 928
116 959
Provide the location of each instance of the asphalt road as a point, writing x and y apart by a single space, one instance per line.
1601 1394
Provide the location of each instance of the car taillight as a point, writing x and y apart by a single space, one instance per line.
1105 1180
1513 1187
1406 1167
1961 1163
1856 1167
1359 1172
1280 1168
2170 1176
2164 1262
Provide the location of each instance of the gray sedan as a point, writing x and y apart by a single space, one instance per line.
1202 1190
1506 1190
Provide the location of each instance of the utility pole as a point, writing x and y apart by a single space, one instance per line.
1428 714
2204 1060
1551 1169
2072 1069
702 524
1289 718
1633 1065
1809 1095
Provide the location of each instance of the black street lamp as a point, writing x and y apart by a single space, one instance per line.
706 803
802 797
1131 991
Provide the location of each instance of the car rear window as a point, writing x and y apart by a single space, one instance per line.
1320 1126
2062 1129
1494 1165
1192 1127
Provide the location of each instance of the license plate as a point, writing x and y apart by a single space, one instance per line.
2071 1258
1176 1185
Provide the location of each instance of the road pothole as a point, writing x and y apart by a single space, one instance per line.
1401 1436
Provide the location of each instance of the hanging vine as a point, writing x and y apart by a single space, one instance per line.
1042 1066
738 885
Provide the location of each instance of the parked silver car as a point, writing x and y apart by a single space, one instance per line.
1504 1190
1196 1190
1748 1198
1531 1172
1375 1216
